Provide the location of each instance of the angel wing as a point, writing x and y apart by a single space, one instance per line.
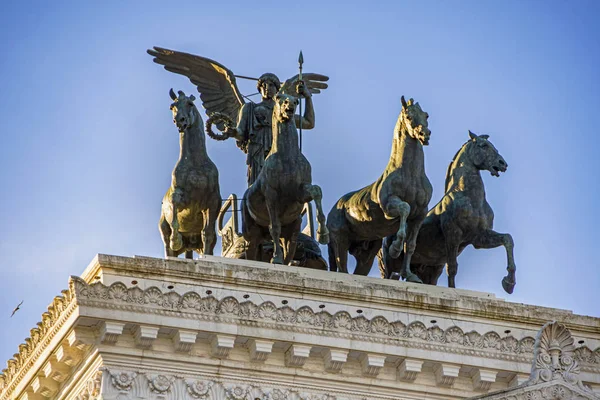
314 82
216 84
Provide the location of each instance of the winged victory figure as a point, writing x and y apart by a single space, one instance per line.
224 103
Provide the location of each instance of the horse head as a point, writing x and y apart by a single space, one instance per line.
413 121
185 113
484 155
285 107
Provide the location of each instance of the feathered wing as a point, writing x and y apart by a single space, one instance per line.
216 84
314 82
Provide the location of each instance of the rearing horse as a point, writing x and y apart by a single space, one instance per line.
191 205
276 199
396 203
462 217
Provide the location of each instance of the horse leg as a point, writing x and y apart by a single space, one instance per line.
434 273
452 236
252 247
388 266
314 192
271 202
209 234
490 239
165 230
395 208
409 248
291 241
366 256
176 241
189 254
338 252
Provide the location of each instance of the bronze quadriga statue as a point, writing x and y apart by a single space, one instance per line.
273 204
395 204
462 217
191 205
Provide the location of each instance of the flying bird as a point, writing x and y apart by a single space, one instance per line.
16 309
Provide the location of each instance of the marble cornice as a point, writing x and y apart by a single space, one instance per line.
303 319
304 286
349 288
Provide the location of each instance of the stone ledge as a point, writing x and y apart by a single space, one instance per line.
299 281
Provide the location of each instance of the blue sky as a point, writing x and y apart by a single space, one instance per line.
88 144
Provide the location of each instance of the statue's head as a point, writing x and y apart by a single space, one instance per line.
484 155
268 85
185 113
414 120
285 107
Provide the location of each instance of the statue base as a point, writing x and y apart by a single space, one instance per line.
220 328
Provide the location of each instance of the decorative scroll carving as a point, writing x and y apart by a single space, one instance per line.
554 372
553 356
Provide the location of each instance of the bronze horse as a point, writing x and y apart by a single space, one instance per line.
191 205
272 205
396 203
462 217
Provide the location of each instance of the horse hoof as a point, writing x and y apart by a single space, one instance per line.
277 260
508 285
395 276
323 238
413 278
395 249
176 243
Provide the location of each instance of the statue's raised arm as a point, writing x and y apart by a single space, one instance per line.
312 84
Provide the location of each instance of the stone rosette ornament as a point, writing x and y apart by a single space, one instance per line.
199 389
123 380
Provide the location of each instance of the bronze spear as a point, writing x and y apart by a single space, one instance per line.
300 62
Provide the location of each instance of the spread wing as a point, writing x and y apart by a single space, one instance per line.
216 84
314 82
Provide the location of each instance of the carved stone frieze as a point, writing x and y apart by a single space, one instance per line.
305 319
131 385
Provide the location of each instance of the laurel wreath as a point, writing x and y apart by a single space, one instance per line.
216 118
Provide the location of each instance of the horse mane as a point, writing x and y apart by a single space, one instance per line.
450 166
